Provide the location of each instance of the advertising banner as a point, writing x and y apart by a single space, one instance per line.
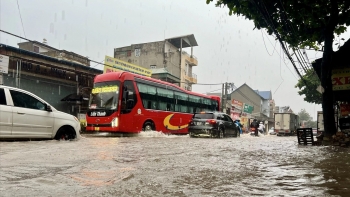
4 64
244 122
114 65
236 106
341 79
235 116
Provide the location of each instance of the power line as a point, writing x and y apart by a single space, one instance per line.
53 48
269 22
21 18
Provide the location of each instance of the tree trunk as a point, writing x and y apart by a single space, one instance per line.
326 73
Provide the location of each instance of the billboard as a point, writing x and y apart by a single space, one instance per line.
114 65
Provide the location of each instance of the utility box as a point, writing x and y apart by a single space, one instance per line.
320 124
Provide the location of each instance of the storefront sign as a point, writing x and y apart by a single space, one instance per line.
341 79
236 106
4 64
248 108
114 65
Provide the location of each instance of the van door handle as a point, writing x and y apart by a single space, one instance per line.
20 113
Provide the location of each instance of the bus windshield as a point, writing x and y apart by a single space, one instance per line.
105 95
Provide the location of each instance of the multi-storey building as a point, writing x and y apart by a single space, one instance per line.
167 59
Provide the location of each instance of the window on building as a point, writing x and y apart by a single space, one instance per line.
153 66
36 49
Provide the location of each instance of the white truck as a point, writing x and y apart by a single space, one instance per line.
286 123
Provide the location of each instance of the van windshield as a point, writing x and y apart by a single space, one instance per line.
105 95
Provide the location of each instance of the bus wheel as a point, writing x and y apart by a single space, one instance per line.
147 126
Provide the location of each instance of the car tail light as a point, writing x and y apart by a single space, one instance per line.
211 121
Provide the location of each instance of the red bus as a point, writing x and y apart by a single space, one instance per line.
123 102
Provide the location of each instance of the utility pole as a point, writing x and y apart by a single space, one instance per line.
222 97
226 86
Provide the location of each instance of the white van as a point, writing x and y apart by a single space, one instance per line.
25 115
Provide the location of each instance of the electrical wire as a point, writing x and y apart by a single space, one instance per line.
265 45
269 22
21 19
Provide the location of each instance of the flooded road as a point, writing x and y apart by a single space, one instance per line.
154 164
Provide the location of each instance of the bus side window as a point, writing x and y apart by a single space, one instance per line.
168 107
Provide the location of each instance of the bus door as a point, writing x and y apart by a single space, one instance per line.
129 117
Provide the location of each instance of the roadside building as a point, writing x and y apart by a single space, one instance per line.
167 59
245 104
62 78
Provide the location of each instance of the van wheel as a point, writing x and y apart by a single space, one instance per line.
65 133
148 126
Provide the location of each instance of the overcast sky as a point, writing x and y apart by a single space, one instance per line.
228 50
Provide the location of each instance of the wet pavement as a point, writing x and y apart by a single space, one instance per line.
153 164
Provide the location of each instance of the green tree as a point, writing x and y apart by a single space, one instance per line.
307 23
311 94
306 120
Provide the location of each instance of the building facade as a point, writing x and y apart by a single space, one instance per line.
64 84
167 58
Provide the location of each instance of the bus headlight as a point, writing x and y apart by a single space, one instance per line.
114 122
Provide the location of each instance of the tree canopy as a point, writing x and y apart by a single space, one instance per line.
306 120
310 92
301 24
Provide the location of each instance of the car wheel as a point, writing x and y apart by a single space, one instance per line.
191 134
147 127
65 133
212 134
221 133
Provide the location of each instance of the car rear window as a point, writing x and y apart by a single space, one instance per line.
203 116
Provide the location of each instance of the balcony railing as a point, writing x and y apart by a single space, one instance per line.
192 78
192 60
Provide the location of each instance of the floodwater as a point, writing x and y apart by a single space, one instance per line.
154 164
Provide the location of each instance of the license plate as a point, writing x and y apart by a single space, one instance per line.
96 128
198 123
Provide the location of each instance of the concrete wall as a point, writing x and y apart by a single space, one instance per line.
160 54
